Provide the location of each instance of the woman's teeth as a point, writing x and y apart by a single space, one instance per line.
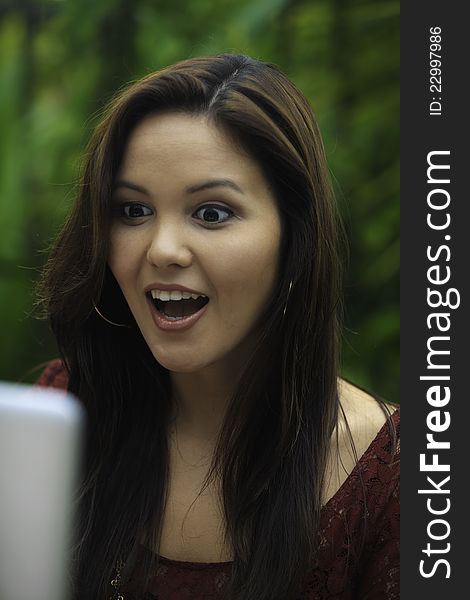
166 295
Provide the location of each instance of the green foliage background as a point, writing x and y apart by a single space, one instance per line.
61 60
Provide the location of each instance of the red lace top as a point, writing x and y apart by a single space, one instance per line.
353 562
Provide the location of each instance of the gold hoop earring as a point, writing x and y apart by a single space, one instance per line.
107 320
287 299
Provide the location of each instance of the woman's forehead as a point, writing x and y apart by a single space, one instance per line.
188 148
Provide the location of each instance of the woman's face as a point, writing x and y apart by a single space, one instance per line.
193 214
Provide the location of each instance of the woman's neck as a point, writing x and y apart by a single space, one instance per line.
201 400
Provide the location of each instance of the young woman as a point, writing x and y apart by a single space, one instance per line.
195 292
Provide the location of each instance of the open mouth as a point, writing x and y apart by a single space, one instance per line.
175 310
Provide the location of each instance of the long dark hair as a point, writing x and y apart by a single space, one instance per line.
272 450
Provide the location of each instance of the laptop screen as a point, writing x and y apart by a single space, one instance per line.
41 431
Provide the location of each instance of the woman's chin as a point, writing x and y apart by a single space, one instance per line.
179 364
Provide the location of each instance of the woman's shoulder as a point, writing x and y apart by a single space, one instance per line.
362 415
54 375
367 433
360 523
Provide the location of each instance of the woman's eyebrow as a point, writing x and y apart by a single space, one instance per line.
199 187
132 186
212 183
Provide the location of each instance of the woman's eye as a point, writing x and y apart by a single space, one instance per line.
213 214
134 210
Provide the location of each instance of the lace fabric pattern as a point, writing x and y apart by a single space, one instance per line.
358 539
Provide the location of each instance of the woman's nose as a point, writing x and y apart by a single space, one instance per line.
168 246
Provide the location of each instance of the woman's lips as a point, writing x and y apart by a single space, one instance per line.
166 324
